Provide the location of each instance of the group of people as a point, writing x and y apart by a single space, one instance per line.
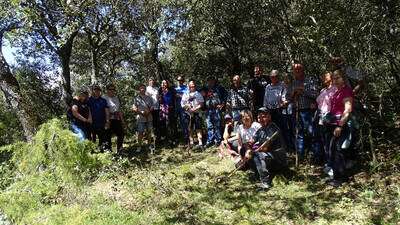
256 124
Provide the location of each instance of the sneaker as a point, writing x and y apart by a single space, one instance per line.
264 186
138 150
198 147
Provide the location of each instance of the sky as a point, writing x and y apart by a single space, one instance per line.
8 53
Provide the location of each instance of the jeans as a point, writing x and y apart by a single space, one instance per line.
306 127
213 126
267 165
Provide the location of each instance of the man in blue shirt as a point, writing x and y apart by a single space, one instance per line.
180 90
100 117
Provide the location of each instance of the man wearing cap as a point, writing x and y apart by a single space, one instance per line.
273 98
268 159
215 98
304 93
100 116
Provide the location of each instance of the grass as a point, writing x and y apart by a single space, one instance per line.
172 188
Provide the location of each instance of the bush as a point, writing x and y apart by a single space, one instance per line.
54 161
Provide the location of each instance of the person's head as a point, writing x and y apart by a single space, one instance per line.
274 76
264 116
338 78
326 79
96 91
228 119
164 84
247 118
236 80
298 71
211 81
142 89
257 71
151 82
181 80
83 95
192 86
110 90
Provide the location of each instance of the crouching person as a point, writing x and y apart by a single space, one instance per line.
269 154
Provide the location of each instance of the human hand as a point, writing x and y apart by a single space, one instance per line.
337 131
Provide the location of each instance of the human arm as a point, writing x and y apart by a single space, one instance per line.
77 115
348 106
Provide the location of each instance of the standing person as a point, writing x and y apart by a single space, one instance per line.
324 108
79 115
180 90
271 158
167 113
116 118
101 118
257 89
215 97
142 106
288 118
341 132
305 91
273 98
153 92
192 102
238 98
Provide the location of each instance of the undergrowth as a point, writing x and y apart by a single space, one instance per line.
58 180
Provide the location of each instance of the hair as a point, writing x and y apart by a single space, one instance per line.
247 112
110 86
275 72
141 85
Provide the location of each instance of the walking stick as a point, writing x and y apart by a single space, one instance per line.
297 133
189 132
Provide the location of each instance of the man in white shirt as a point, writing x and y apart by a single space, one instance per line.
192 102
153 92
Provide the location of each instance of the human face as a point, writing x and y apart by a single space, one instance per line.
181 81
151 82
298 71
192 86
247 121
83 97
338 80
142 90
274 79
327 79
164 84
96 92
111 91
264 119
236 81
257 71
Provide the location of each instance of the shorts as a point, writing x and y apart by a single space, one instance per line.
144 126
197 121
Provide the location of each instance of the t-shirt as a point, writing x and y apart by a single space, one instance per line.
273 96
192 99
247 135
153 93
83 110
98 110
143 103
114 106
337 105
324 99
277 146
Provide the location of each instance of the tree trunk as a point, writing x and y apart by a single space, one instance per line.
64 53
11 90
95 66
